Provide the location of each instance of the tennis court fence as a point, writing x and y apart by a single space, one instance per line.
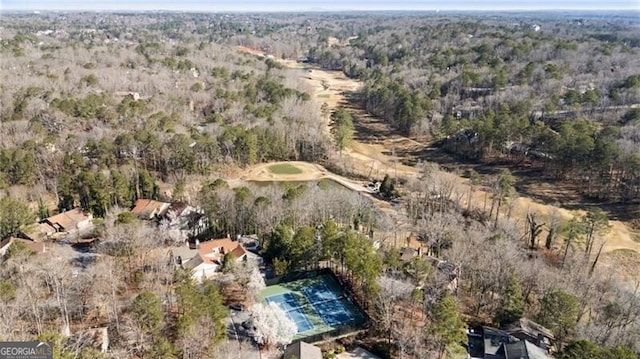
332 334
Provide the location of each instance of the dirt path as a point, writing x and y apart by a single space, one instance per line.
378 150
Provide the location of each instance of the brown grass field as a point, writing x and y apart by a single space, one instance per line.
378 150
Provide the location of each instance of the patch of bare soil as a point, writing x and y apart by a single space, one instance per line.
250 51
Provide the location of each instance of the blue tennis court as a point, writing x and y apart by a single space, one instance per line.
320 293
334 313
289 303
316 304
300 319
286 301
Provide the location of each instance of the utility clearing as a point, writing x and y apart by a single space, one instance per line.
377 150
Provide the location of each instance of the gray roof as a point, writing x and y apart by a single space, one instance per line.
524 350
493 340
530 327
302 350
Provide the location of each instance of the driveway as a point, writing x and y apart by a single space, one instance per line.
235 331
358 353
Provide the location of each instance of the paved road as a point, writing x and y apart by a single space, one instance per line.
235 331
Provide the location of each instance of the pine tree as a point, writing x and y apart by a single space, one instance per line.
13 215
201 310
343 128
147 311
559 312
162 349
447 326
228 262
512 302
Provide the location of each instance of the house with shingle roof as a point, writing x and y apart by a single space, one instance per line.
189 221
526 329
523 350
491 343
210 256
59 225
148 209
69 221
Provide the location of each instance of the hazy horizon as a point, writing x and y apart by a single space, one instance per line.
309 5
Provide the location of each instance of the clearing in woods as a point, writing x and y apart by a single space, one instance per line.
377 150
284 169
305 172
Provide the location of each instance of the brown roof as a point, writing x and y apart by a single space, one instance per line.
67 220
38 231
213 251
76 215
61 221
140 205
147 208
239 251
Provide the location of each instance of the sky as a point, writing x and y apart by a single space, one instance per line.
327 5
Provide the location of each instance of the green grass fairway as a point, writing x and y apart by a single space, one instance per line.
284 169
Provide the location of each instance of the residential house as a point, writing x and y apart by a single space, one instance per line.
408 253
210 255
525 329
523 350
37 232
70 221
302 350
447 272
493 339
4 246
491 343
148 209
61 225
186 218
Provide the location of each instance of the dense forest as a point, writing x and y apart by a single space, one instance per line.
562 92
140 107
99 110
